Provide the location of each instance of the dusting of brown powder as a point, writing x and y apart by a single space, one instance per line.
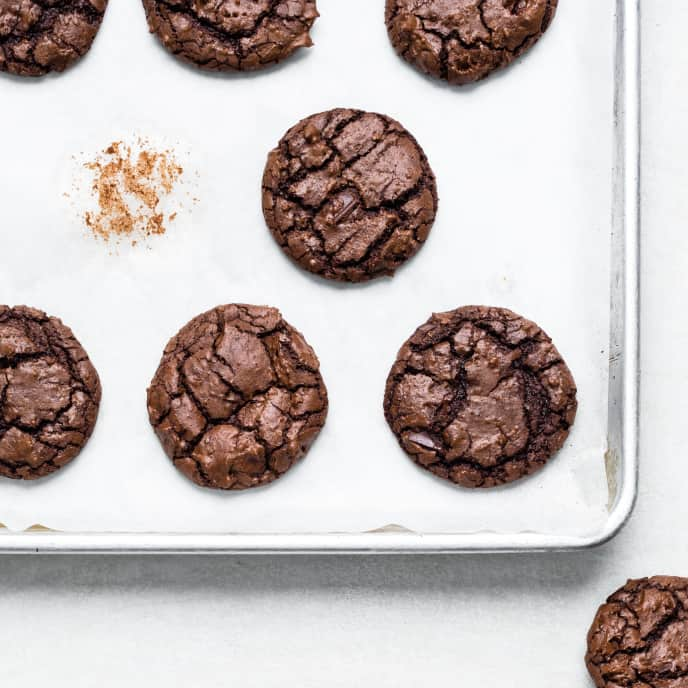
129 186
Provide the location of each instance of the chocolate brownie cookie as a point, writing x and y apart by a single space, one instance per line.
462 41
238 398
480 396
41 36
639 638
349 195
231 35
49 394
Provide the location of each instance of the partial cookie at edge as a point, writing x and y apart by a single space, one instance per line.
49 394
232 35
639 637
40 36
464 41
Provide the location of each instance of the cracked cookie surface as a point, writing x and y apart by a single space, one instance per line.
480 396
639 638
349 195
41 36
232 35
49 394
463 41
238 397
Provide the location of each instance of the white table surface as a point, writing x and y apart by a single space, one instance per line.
399 621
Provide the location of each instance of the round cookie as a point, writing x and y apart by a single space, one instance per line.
232 35
41 36
462 41
639 638
480 396
349 195
49 394
238 397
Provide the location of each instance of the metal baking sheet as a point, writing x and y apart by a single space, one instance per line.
538 178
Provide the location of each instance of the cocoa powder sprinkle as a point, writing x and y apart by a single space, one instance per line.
129 185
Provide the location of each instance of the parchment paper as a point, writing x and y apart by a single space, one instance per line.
523 163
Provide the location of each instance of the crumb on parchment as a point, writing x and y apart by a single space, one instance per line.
130 184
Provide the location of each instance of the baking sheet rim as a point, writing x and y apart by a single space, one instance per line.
395 540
